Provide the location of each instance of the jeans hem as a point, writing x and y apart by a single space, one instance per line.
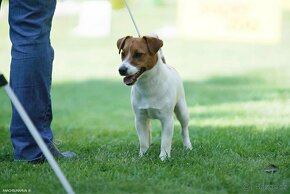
23 160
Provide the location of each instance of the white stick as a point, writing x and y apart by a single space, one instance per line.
38 139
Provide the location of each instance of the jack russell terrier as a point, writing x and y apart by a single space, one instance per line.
157 91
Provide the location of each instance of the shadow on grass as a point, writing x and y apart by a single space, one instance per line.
216 90
106 105
94 118
220 90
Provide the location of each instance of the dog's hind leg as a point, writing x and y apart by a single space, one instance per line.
144 133
182 115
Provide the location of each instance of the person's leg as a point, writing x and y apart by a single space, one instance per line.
30 73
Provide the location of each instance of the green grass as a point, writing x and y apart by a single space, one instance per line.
234 139
239 101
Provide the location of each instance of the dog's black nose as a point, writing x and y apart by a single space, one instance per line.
123 70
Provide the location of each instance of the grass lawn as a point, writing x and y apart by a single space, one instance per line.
239 101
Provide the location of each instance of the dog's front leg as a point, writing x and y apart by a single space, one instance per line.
166 137
143 128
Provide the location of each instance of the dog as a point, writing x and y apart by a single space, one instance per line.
157 91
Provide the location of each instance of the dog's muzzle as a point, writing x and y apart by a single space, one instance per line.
130 79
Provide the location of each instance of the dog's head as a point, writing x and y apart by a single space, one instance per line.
138 55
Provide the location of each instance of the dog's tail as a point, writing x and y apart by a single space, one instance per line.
160 50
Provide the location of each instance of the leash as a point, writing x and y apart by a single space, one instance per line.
138 32
132 18
35 134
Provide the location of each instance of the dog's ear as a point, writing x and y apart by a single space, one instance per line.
153 44
121 42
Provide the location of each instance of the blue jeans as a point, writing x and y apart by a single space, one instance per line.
30 72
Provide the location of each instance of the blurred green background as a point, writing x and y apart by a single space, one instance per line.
82 58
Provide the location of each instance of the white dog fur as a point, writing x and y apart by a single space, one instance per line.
158 93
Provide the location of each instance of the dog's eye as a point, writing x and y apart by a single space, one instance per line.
137 55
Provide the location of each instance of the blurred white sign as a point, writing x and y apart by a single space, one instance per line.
286 5
230 20
95 19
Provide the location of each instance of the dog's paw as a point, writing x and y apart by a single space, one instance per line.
143 150
188 146
142 153
164 156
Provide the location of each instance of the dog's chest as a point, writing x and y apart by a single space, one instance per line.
155 103
154 113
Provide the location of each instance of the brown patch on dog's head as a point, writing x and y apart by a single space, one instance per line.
154 44
139 52
121 42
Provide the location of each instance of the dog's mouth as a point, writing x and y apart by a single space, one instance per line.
131 79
